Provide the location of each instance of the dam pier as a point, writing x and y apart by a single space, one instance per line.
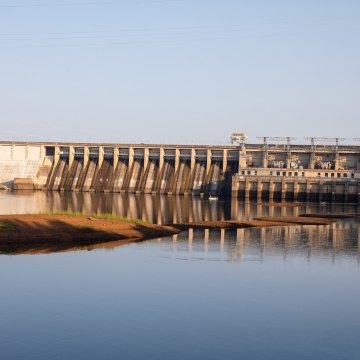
266 171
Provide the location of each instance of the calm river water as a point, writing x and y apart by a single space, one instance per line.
274 293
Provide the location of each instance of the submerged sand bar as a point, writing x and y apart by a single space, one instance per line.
257 222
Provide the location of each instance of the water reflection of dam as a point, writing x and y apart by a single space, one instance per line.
158 209
344 235
342 238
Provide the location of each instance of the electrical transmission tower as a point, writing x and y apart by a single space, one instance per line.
266 139
325 139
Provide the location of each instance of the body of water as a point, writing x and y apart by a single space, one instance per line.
270 293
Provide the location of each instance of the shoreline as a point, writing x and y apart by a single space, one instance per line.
56 233
47 233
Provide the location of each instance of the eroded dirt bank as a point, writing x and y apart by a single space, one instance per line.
51 233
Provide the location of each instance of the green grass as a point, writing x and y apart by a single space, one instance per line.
5 226
104 216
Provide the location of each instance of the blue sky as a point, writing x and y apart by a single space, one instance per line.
178 71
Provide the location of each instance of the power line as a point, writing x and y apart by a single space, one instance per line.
88 3
279 24
146 30
145 36
114 43
119 34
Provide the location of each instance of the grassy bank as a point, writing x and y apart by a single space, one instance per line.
105 216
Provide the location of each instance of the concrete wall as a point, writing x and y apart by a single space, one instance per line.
5 152
19 161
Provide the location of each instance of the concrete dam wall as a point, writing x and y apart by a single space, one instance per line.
19 162
132 170
284 172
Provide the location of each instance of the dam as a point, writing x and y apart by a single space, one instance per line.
268 171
